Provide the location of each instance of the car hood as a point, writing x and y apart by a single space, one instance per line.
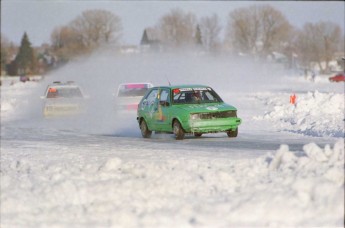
201 108
128 100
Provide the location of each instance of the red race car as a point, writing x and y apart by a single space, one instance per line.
338 78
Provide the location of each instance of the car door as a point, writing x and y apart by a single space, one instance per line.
149 108
163 110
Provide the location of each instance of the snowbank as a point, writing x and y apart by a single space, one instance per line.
19 99
315 113
284 189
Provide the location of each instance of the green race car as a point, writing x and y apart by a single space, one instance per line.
195 109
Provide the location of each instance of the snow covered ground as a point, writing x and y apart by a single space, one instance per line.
285 169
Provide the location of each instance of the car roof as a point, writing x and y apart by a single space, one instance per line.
183 86
58 84
136 83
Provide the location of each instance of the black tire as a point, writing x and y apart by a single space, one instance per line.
232 134
197 134
178 130
145 132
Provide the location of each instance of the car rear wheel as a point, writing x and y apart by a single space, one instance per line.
145 132
232 134
178 131
197 134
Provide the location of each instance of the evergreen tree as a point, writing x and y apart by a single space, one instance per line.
25 58
144 39
198 40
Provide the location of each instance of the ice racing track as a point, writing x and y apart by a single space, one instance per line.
22 134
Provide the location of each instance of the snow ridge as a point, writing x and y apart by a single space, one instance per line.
282 189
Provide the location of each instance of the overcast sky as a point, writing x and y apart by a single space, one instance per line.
39 17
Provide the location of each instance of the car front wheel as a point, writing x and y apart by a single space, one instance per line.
178 131
232 134
145 132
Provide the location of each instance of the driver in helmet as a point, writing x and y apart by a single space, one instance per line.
196 96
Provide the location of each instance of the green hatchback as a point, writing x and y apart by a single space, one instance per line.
194 109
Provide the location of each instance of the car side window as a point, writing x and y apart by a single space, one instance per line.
179 98
151 97
164 95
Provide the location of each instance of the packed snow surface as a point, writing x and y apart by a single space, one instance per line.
315 113
285 169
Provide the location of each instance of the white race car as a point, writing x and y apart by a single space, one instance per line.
61 99
129 95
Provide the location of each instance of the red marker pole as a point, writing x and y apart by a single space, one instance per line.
293 99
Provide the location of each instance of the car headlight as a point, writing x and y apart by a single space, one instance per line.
195 116
228 114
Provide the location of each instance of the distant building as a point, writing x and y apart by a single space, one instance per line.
150 41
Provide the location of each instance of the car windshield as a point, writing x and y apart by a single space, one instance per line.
60 92
132 90
195 96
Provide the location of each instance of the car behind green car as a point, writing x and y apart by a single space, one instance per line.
195 109
63 99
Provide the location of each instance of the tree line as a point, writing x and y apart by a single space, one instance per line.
256 31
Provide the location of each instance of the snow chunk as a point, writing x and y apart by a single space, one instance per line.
314 152
111 164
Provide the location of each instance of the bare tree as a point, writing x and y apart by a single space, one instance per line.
5 44
257 29
177 28
210 29
289 48
243 29
275 28
8 53
318 42
85 33
67 43
97 27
